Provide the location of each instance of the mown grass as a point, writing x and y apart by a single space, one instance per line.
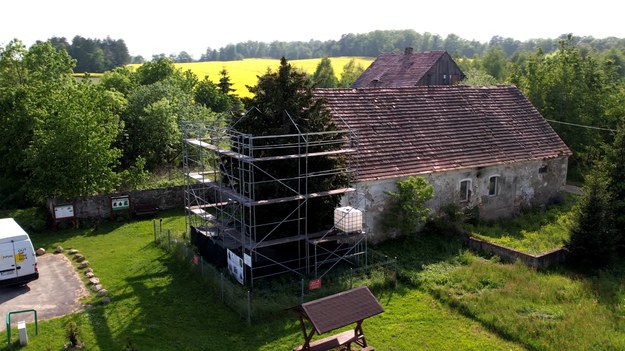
244 72
159 304
533 232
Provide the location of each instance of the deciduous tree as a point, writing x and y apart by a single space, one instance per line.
351 72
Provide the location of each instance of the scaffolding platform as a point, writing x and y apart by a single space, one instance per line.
224 168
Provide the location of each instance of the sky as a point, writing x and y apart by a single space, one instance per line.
169 27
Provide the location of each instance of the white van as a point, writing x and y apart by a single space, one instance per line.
18 262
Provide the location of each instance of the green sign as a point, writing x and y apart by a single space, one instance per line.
120 203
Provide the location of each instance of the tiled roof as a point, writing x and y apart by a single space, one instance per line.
397 69
417 130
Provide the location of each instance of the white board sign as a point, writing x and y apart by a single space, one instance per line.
120 203
63 211
235 266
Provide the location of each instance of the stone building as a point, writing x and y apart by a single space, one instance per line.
484 147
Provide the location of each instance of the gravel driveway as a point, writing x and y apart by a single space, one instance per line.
56 293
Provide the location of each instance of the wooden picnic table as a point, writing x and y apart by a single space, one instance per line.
334 312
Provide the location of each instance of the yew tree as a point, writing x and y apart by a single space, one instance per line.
283 103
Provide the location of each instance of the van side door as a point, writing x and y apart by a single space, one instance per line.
8 268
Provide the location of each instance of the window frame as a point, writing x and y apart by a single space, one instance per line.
490 180
466 197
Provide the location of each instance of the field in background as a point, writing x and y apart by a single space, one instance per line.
245 72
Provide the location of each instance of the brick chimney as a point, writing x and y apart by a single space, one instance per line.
408 51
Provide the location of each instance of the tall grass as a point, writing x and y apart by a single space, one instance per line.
534 231
552 310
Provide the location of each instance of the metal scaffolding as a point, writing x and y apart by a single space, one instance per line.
227 200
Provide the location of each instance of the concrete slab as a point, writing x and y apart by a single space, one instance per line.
56 293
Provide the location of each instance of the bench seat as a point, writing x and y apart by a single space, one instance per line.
332 342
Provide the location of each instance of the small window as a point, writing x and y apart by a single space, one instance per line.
542 169
465 190
493 186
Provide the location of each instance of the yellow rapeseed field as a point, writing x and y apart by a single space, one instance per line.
245 72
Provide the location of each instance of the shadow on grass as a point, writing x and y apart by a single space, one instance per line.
164 307
606 285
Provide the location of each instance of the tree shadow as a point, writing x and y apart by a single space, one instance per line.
167 308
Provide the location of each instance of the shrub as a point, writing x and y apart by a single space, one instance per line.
407 209
73 334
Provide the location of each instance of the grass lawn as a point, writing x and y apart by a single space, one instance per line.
158 304
533 232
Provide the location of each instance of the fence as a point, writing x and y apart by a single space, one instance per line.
273 298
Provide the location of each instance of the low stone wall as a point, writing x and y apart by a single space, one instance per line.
542 261
96 207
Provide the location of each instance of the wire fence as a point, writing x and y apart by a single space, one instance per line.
273 298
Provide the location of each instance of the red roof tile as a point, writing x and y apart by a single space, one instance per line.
417 130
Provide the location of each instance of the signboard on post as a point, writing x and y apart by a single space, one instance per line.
120 204
235 266
63 211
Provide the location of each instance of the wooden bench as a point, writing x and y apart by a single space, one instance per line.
331 342
334 312
141 210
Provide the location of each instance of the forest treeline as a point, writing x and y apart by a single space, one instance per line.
373 43
100 55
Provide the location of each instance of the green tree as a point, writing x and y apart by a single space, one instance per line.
120 79
324 75
478 77
225 85
211 96
155 71
56 132
28 79
576 89
71 153
351 72
592 240
407 210
88 54
159 97
152 119
495 63
614 168
283 104
183 57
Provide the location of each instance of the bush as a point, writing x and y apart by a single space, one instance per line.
73 334
407 209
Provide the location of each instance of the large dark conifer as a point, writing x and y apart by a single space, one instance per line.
284 104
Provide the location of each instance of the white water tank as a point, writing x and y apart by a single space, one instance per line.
348 219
